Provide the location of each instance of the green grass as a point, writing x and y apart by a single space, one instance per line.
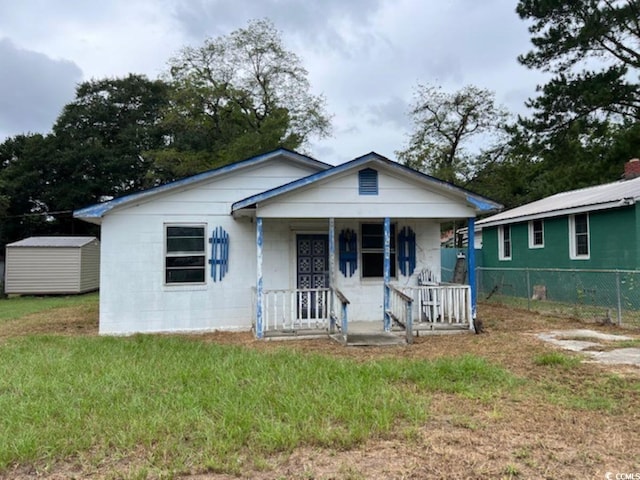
556 359
185 402
633 343
158 406
14 308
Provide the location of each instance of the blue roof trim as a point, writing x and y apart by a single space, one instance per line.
100 209
481 204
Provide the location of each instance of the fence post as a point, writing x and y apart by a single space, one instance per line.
528 290
471 265
619 297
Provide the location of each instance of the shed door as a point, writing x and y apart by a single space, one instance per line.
312 272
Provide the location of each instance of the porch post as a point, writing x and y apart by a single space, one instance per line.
471 264
332 271
387 273
259 294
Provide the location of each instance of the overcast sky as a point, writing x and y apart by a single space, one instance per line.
364 56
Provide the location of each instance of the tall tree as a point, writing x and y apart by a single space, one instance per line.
96 150
104 133
236 96
592 49
24 180
446 125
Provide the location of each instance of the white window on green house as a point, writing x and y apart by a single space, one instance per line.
504 242
536 234
185 256
579 236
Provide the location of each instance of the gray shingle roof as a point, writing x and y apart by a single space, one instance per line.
600 197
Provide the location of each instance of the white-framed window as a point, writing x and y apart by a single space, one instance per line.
504 242
185 254
536 233
372 250
579 236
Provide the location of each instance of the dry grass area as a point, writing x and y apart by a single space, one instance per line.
76 320
522 434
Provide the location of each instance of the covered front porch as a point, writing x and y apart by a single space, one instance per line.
329 294
359 242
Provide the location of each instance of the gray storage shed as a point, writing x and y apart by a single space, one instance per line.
52 265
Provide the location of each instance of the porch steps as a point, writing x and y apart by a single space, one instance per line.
295 334
370 334
374 339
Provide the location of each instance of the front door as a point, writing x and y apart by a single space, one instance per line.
312 271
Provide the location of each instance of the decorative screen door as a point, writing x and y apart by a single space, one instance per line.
312 272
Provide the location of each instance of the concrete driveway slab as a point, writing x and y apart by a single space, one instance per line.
571 340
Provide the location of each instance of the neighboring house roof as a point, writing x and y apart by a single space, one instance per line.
609 195
481 204
94 213
53 242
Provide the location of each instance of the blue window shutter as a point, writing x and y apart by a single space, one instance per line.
368 182
348 252
219 260
407 251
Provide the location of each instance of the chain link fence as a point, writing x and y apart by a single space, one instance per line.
602 296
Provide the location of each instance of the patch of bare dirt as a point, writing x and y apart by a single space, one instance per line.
58 321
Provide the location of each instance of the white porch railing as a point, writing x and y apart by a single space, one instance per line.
339 324
307 308
401 310
441 306
324 310
303 311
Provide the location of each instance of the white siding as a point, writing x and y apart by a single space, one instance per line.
339 198
216 196
133 295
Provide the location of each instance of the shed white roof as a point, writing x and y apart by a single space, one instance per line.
53 242
609 195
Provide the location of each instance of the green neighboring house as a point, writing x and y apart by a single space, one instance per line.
594 228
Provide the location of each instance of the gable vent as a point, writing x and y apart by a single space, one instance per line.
368 182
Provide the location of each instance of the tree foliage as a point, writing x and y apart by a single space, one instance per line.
584 123
592 49
96 150
104 132
234 97
446 125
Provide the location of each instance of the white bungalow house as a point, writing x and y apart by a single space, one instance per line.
283 244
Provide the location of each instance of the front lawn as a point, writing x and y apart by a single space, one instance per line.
498 405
